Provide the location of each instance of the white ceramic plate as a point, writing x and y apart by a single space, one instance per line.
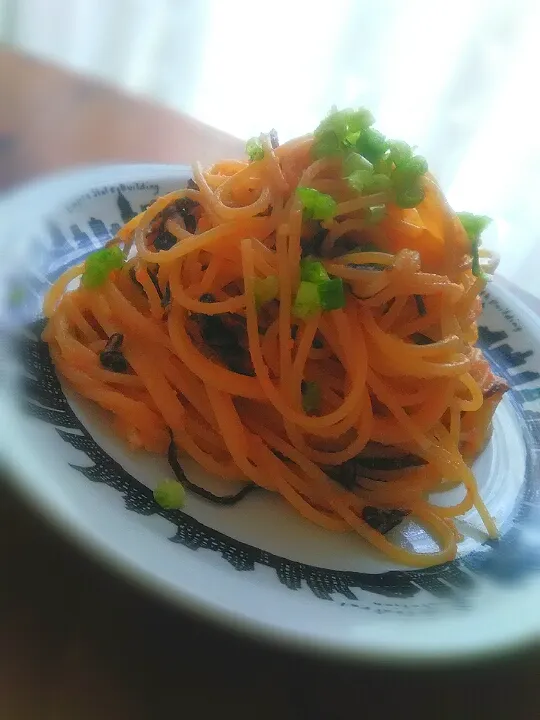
257 566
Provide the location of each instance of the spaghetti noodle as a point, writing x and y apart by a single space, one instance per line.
304 321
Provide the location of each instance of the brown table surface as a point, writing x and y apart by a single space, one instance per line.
78 643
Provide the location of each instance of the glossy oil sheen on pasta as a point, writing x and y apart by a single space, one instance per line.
199 333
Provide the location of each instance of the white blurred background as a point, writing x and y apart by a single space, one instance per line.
458 79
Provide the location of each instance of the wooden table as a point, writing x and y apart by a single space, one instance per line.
50 120
78 644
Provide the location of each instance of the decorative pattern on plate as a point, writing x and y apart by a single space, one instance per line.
514 555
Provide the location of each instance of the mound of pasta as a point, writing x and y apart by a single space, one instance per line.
302 322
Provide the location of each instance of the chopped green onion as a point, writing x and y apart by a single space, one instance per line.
378 183
409 172
474 226
100 264
265 289
170 494
359 180
358 120
375 214
340 130
311 396
416 166
317 205
384 166
254 149
400 152
306 302
332 294
409 197
354 163
406 176
327 145
371 144
313 271
476 268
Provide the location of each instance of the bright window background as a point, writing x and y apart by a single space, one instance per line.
459 79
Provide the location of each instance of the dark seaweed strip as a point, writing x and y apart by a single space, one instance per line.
165 296
420 305
313 246
265 213
222 335
190 221
420 339
166 299
153 275
207 298
172 457
184 208
111 357
165 240
114 342
215 333
372 267
388 305
317 343
351 473
113 361
133 276
381 519
401 462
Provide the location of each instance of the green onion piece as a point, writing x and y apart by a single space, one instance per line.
317 205
371 144
327 145
170 494
265 289
409 197
354 162
359 180
332 294
400 152
100 264
254 149
358 120
313 271
339 131
375 214
311 396
476 268
306 302
474 226
416 166
378 183
409 172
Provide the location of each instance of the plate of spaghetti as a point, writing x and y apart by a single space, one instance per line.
284 392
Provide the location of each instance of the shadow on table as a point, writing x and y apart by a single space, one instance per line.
78 643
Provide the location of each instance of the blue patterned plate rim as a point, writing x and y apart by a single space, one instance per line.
379 635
